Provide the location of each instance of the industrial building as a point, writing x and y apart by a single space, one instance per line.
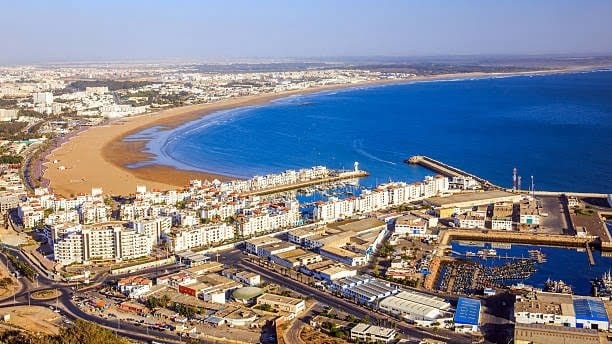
591 313
459 203
544 334
467 315
328 270
563 310
282 303
413 306
372 334
364 289
545 308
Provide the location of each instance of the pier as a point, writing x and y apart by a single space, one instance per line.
288 187
590 254
446 170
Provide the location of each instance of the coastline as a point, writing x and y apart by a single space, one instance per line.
103 162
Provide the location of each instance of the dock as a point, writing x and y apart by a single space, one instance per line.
590 255
447 170
288 187
514 238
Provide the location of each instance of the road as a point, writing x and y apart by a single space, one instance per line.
71 311
352 308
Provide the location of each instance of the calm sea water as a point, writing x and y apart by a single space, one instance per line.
554 127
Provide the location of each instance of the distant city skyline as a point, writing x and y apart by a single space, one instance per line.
65 31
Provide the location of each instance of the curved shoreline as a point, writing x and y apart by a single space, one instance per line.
104 162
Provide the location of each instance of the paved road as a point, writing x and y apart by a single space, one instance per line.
64 303
351 308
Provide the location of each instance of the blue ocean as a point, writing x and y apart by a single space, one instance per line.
557 128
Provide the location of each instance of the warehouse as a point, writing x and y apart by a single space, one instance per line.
364 289
459 203
467 315
590 313
415 306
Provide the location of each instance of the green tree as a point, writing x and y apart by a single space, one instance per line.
86 332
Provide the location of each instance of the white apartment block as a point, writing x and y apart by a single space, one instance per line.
30 215
81 244
188 238
159 225
42 98
384 196
94 212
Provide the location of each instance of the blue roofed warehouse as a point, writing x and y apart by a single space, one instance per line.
467 316
591 313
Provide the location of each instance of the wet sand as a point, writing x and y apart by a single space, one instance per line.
98 157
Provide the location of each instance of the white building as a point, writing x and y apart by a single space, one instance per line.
413 306
372 334
187 238
80 244
470 220
384 196
42 98
411 226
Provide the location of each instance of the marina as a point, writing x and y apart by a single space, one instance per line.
554 263
470 277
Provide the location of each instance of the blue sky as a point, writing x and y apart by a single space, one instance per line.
38 31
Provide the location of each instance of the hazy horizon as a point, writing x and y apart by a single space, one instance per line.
66 31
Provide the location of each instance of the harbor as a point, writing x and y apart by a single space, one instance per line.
470 277
550 263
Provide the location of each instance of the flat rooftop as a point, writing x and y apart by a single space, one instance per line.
356 225
279 299
486 196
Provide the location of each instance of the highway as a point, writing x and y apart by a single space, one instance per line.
351 308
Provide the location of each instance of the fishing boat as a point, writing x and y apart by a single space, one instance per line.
602 286
559 286
487 252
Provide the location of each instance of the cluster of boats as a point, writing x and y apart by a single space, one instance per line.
488 252
602 286
557 286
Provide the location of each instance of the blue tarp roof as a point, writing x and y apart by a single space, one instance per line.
590 309
468 311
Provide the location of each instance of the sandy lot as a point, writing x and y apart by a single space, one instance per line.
34 318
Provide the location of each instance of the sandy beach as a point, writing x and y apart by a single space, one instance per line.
98 157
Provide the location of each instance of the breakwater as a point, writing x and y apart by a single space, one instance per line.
516 238
447 170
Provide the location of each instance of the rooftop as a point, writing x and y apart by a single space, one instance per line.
468 311
590 309
279 299
486 196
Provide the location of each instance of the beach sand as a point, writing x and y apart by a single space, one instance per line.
98 157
